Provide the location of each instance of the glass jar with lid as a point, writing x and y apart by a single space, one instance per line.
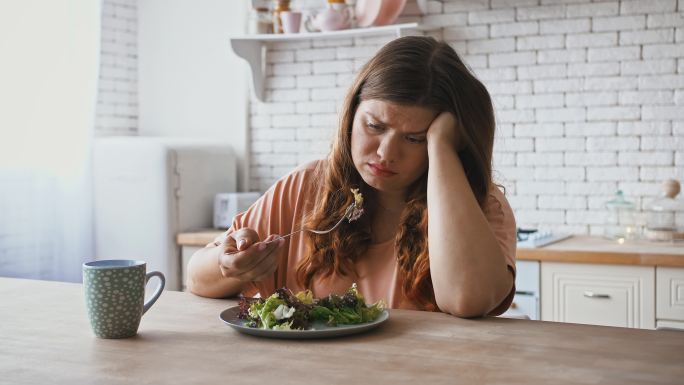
620 221
662 212
261 21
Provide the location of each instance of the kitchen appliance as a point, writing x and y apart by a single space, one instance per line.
526 300
527 278
533 238
228 205
147 190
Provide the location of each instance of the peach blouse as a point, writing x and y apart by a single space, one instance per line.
378 276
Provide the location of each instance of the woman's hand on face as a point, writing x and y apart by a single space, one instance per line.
444 129
245 258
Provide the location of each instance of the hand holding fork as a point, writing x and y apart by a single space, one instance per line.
244 258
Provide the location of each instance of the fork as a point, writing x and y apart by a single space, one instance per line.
347 215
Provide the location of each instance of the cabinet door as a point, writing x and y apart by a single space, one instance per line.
607 295
669 325
670 293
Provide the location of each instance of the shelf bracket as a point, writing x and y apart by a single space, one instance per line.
422 5
253 52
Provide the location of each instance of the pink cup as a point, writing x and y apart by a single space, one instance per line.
291 21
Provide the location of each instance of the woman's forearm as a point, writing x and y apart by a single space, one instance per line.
468 269
205 278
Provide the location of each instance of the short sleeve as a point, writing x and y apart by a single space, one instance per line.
502 222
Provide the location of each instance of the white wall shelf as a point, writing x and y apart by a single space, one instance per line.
252 48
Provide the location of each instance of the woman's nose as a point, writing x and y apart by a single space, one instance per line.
388 149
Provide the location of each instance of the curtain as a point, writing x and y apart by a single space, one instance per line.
49 63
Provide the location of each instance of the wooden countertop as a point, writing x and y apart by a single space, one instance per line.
586 249
198 238
46 339
577 249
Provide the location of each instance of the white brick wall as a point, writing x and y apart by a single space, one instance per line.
117 102
589 99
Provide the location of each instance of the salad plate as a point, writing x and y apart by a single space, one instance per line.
319 329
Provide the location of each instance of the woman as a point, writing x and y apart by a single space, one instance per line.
415 136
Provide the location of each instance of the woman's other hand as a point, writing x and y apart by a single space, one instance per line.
246 258
444 129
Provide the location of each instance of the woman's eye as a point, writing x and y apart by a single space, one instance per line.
415 139
373 126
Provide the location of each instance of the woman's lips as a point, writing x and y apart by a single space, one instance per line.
378 170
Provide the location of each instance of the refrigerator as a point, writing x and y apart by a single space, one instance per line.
149 189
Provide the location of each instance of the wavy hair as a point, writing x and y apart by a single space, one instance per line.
416 71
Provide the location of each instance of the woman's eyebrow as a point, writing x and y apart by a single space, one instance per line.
417 132
379 122
375 118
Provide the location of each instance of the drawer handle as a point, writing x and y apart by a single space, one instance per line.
591 294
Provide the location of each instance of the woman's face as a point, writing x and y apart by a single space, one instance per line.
388 144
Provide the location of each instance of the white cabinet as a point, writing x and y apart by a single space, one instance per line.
670 293
596 294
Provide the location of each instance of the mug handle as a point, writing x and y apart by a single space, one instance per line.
148 304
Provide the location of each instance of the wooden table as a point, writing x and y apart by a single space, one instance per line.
46 339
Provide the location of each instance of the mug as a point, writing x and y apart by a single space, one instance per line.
291 21
115 295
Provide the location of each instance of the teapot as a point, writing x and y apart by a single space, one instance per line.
335 17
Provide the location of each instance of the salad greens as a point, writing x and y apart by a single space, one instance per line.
287 311
357 206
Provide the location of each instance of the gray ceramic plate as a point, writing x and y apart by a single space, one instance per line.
320 330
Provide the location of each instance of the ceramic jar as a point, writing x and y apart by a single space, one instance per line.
335 17
662 212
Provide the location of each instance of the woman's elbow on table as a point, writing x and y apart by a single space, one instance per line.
224 289
464 307
473 303
195 285
205 279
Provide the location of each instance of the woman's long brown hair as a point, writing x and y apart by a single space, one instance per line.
415 71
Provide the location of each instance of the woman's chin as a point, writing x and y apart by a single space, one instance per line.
377 183
371 181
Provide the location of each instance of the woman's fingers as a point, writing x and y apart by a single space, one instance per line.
444 128
241 239
267 265
249 258
253 261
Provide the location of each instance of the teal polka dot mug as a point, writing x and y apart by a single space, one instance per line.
115 295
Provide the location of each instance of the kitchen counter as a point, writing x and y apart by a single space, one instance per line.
199 238
46 338
577 249
588 249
